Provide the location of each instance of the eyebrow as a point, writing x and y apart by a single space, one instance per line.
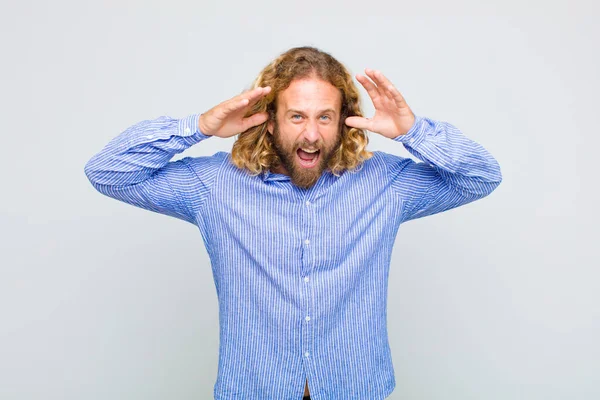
331 110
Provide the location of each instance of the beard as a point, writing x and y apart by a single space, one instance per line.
301 176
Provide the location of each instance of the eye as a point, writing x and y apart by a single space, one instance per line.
296 115
326 116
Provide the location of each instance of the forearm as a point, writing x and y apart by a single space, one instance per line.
463 163
135 154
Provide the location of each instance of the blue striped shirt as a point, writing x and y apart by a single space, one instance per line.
301 274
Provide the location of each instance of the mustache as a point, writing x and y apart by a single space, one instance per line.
310 146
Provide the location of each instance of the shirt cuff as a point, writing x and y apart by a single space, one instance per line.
188 126
415 135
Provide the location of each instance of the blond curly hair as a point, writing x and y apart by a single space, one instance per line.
253 148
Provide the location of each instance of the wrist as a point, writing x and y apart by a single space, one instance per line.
201 127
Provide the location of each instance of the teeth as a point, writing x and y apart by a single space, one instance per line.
310 151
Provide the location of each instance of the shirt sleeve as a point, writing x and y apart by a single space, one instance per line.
135 167
455 169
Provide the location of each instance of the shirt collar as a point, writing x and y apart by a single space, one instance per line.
268 176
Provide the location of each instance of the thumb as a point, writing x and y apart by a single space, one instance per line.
359 122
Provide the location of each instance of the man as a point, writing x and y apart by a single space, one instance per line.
299 220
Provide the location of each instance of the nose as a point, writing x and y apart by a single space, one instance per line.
311 131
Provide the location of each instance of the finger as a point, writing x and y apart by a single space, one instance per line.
242 100
382 82
253 120
232 106
397 96
371 73
369 87
257 98
253 94
359 122
391 91
377 77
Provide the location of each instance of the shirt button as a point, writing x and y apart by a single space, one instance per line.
187 130
307 203
149 136
307 318
306 354
306 279
411 141
307 242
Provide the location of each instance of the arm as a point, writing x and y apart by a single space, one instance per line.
135 167
456 170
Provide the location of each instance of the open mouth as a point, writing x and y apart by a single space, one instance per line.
308 158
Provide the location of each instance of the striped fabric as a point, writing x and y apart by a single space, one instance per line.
301 274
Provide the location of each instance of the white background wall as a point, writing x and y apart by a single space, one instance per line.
101 300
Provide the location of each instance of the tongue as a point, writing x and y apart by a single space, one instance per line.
306 156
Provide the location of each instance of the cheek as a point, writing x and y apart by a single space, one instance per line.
286 139
332 136
292 130
289 134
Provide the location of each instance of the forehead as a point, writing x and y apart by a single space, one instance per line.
309 95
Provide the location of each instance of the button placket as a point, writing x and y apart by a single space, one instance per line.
309 220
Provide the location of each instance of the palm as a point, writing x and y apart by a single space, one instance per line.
233 123
392 115
228 118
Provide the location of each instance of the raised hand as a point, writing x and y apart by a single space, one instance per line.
227 119
392 116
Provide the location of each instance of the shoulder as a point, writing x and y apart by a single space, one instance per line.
206 167
205 163
388 163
